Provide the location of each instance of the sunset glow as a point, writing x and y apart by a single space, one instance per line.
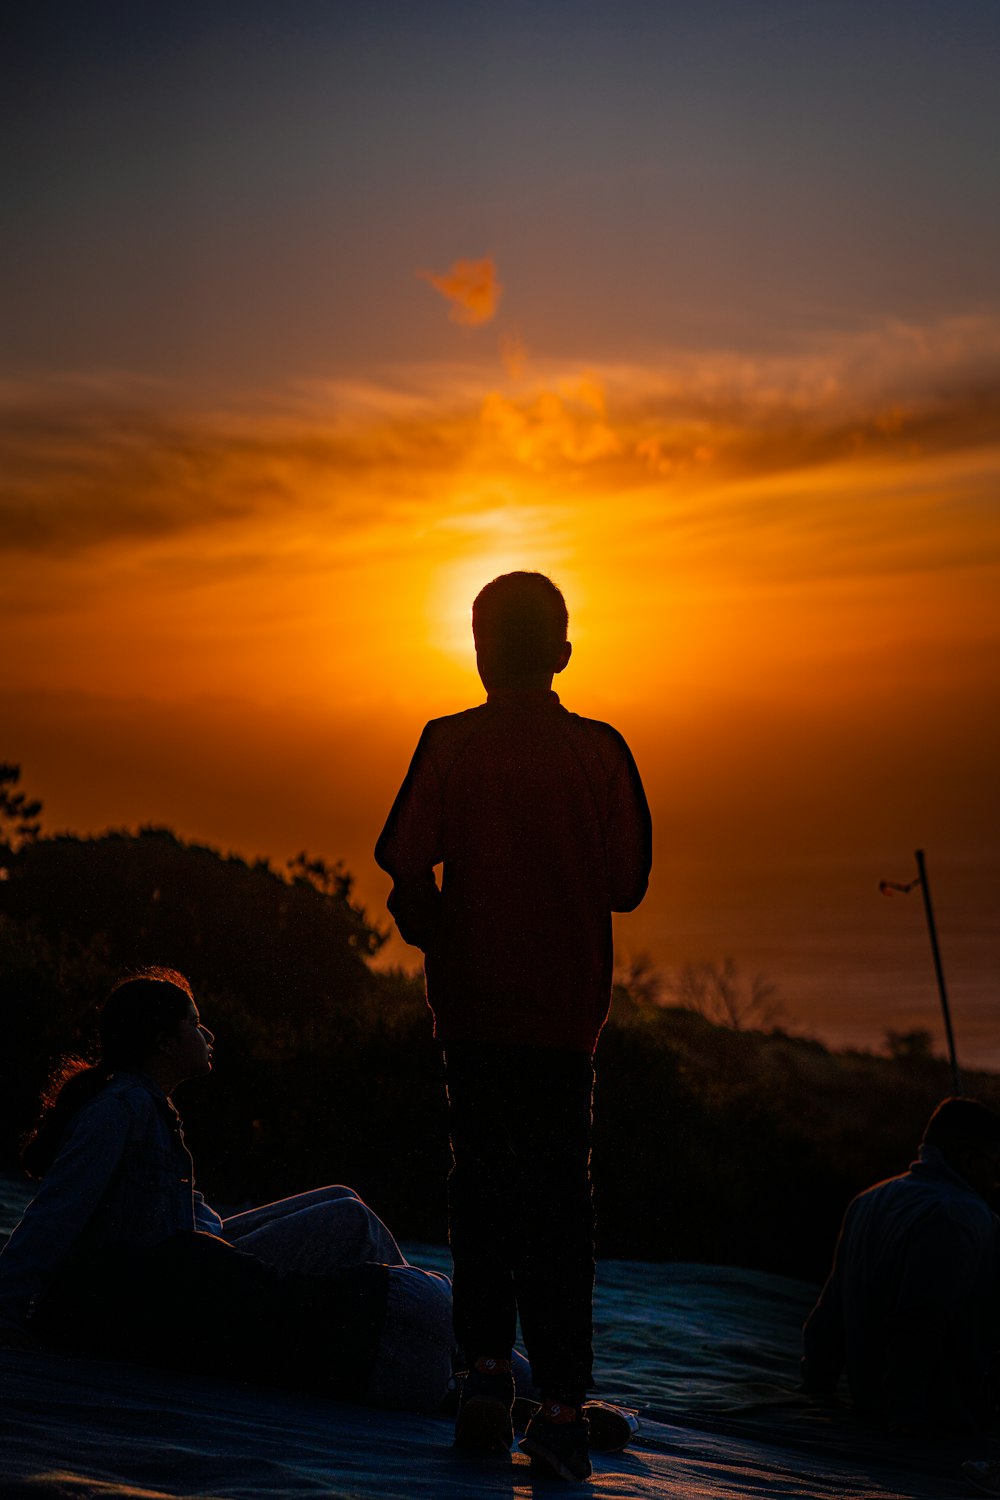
736 402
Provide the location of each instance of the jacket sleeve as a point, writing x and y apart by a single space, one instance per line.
630 835
55 1218
824 1337
823 1340
410 845
205 1217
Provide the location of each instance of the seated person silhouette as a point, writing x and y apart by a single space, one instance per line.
118 1254
910 1308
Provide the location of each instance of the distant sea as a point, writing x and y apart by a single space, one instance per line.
849 963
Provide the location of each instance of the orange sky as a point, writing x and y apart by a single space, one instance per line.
782 575
314 327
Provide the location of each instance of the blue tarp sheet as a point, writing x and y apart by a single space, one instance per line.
708 1356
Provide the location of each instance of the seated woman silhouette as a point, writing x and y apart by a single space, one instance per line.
118 1254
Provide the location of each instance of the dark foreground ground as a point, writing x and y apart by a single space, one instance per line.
707 1355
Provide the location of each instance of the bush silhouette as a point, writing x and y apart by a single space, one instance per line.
711 1144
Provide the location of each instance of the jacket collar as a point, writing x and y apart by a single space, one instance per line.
522 697
931 1162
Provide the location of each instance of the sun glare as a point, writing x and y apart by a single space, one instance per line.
451 592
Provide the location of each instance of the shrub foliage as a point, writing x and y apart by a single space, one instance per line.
711 1144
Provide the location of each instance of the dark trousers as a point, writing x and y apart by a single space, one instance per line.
520 1208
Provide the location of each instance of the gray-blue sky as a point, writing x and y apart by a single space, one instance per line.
247 189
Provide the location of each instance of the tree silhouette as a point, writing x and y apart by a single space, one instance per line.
916 1046
291 950
721 994
714 1142
19 816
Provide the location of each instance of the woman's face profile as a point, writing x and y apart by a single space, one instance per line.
190 1047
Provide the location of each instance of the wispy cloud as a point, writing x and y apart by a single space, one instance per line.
758 546
472 289
569 423
85 465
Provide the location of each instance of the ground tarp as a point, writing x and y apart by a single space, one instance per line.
707 1355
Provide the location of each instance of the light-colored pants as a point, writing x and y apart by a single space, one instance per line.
317 1232
331 1227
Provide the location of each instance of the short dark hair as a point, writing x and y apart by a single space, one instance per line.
520 620
962 1122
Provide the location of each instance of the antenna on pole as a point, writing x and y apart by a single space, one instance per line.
938 970
888 888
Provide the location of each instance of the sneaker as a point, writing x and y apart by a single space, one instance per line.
983 1474
612 1428
484 1423
558 1448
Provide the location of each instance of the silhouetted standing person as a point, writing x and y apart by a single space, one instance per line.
539 820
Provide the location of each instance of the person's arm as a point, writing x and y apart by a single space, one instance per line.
823 1350
91 1152
824 1343
630 852
409 847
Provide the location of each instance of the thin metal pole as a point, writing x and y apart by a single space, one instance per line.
939 971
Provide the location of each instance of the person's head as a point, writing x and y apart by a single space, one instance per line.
968 1136
148 1024
519 623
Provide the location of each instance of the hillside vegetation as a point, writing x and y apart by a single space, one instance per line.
711 1144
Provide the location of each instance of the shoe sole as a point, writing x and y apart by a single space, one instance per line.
484 1426
546 1462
